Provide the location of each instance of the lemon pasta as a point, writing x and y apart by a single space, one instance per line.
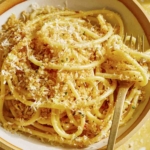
60 71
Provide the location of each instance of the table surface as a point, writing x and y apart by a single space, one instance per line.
141 139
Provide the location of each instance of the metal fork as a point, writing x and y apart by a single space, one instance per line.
124 86
135 43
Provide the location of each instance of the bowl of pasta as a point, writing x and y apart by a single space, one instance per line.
61 62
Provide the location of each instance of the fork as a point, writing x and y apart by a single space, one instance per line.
123 89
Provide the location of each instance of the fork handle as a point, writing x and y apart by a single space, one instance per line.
116 117
7 4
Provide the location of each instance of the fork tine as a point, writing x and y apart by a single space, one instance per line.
137 43
124 39
130 41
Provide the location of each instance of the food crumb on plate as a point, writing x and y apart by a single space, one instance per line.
131 145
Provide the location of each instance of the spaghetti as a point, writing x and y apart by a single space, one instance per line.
59 74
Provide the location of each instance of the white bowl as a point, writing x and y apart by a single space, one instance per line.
132 25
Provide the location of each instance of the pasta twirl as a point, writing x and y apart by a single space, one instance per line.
60 71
